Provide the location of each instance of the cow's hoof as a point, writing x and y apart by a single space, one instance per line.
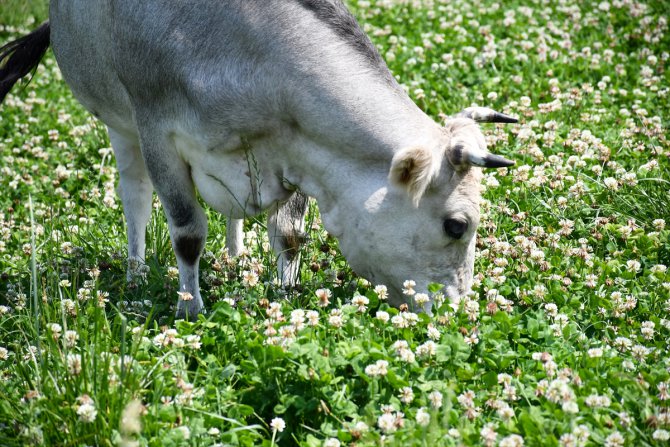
137 272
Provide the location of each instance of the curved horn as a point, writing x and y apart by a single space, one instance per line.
486 115
489 160
459 156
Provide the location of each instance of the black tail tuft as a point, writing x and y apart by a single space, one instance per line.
20 57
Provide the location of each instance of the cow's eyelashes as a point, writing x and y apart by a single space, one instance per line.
455 228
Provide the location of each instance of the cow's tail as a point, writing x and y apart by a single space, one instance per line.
20 57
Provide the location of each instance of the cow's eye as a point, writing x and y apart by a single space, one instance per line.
455 228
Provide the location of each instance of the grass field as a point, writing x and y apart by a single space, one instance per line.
564 340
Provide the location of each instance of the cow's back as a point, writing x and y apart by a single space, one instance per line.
238 66
211 59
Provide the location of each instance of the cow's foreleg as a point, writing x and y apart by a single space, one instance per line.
234 236
135 190
285 230
171 176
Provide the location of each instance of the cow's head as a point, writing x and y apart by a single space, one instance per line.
422 224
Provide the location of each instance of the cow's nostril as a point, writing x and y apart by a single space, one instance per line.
455 228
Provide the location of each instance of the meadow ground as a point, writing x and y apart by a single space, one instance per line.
564 340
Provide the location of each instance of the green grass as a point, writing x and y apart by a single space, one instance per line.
23 12
564 341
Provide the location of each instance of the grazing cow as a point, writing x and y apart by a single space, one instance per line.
255 103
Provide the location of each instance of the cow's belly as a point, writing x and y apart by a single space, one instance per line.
235 184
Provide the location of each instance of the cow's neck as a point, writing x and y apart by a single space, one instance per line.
341 101
351 122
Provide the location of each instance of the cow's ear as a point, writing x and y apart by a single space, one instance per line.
413 170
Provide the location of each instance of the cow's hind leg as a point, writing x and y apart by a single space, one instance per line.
285 230
234 236
136 192
171 177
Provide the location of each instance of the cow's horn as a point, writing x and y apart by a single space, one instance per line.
489 160
486 115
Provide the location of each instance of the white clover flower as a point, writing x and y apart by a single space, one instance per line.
361 427
421 298
504 379
277 425
559 391
69 306
381 291
336 319
595 352
611 183
570 407
274 312
408 287
410 318
4 353
399 322
633 265
432 332
312 318
471 308
663 390
640 352
647 329
435 399
361 302
297 318
377 369
86 410
193 341
422 417
84 294
387 423
101 298
505 412
73 362
511 441
331 442
582 432
454 433
55 330
428 349
597 401
488 434
615 439
406 395
382 316
658 268
249 278
551 309
131 418
323 295
661 435
71 338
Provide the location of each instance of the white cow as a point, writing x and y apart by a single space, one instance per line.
251 101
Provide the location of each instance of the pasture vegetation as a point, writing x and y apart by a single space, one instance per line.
563 341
